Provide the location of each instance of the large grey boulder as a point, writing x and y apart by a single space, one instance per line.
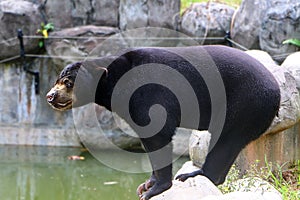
143 13
163 13
143 37
200 187
74 44
100 129
252 188
280 22
82 12
292 64
254 184
180 141
108 125
199 146
274 22
16 15
245 196
289 111
192 189
246 23
207 20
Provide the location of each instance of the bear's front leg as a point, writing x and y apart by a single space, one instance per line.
160 181
161 178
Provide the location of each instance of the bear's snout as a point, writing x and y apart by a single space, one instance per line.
51 95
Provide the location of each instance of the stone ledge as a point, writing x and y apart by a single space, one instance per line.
200 187
41 136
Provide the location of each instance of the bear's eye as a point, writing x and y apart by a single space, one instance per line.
68 83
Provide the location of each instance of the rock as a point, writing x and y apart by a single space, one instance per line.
244 196
198 146
96 126
280 23
187 167
82 12
142 37
207 20
248 188
292 64
275 21
245 28
133 14
255 185
43 136
119 132
163 13
104 13
143 13
289 111
264 58
192 189
16 15
181 141
72 49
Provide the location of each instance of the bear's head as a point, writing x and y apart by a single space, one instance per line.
60 97
77 84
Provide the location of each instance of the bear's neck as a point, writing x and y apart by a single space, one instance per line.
109 79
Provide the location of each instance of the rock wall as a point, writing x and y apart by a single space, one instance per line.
25 117
274 21
207 20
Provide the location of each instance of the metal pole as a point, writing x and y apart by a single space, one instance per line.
25 66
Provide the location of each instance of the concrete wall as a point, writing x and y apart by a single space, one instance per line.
282 147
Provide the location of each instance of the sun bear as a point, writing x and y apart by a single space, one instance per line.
215 88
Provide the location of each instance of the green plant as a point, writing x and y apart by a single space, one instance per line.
295 42
285 178
186 3
44 31
233 175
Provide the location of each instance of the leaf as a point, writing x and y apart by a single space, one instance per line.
49 27
41 44
295 42
45 33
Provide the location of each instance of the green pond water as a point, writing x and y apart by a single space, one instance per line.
44 173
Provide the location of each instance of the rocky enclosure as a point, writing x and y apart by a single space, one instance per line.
25 118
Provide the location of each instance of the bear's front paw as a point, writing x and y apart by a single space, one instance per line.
156 189
144 187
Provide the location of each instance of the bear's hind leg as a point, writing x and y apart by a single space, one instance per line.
218 161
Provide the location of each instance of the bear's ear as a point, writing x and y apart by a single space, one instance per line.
70 70
76 65
104 69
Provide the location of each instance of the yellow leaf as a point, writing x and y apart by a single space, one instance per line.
45 33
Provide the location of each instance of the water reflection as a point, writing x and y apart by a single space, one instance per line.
42 173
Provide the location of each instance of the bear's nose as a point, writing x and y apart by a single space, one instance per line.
51 96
